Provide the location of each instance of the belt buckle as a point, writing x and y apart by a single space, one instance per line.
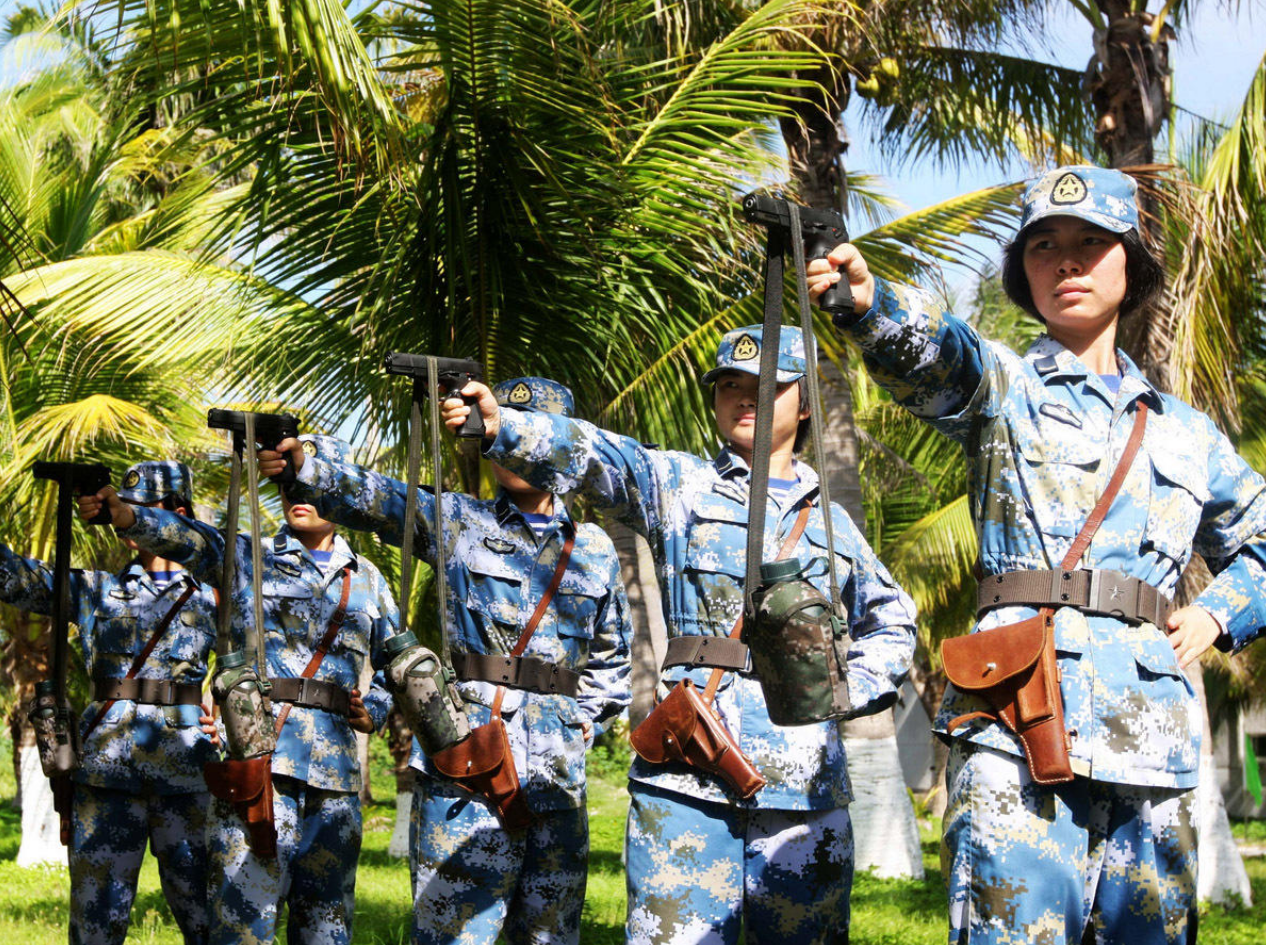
1114 594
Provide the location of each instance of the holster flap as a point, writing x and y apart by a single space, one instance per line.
478 753
669 727
239 781
987 658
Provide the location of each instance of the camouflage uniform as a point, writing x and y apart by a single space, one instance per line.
472 879
698 857
1042 435
140 777
316 774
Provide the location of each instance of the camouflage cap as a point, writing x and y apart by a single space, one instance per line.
535 393
1099 195
329 448
740 351
155 480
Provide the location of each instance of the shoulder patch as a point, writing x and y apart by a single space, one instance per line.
746 348
1069 189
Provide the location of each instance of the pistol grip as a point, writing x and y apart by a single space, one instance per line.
838 299
104 517
473 428
287 475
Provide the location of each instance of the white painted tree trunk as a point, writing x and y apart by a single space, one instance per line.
885 832
41 827
1222 878
399 845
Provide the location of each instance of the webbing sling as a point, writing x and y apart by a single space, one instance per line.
767 390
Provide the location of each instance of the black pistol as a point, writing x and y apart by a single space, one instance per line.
821 230
80 478
270 430
451 373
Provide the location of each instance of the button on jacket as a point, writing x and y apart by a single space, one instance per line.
694 514
498 570
135 747
1042 435
315 746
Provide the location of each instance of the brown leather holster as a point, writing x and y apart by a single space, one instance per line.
483 764
685 729
248 785
1013 668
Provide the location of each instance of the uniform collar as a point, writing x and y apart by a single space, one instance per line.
342 556
509 514
135 572
1054 363
734 473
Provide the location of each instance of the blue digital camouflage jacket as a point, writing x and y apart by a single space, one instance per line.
497 572
135 747
1042 435
315 746
694 514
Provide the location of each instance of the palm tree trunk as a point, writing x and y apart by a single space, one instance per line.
885 832
650 636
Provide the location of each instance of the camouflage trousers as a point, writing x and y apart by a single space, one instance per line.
473 881
697 870
314 874
1041 865
108 835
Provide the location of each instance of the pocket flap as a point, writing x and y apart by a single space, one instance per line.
660 737
239 781
983 660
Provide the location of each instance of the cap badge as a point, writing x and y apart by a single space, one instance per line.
746 348
1068 189
309 448
131 480
522 394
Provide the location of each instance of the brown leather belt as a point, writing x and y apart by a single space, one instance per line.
148 691
310 694
717 652
519 672
1096 592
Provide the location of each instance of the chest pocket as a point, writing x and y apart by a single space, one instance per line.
714 567
816 534
1180 489
576 605
494 591
1058 468
291 604
115 631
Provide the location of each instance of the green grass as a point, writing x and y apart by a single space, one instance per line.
885 912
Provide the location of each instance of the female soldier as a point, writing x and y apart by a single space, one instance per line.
1113 848
146 634
473 879
701 860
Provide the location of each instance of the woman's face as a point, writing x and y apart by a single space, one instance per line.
1076 273
734 401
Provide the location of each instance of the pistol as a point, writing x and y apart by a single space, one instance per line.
821 230
452 374
270 430
83 478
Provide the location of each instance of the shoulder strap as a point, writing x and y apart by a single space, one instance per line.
1100 511
788 546
543 605
323 647
140 659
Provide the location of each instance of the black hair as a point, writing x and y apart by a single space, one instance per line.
1144 275
172 501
